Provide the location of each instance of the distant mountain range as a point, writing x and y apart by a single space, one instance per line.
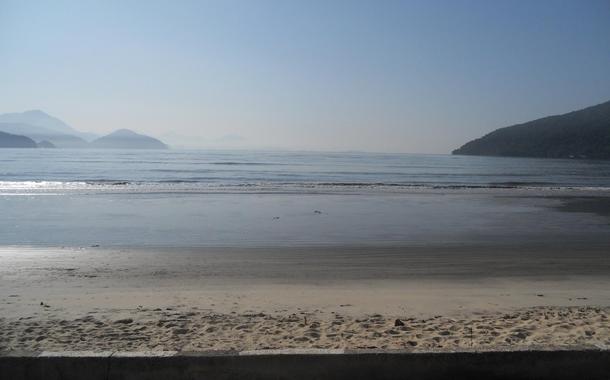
37 118
8 140
50 132
38 133
579 134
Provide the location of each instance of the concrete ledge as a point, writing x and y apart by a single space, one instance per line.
309 364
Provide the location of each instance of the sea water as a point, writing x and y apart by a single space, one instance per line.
267 198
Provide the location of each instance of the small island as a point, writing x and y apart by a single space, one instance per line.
46 144
127 139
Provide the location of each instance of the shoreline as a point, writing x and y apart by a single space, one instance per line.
193 299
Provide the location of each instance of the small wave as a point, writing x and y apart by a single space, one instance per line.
523 183
368 184
207 185
108 182
179 181
181 170
34 185
243 163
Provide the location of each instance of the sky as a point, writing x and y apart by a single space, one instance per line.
383 76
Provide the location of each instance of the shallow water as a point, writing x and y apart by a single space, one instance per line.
198 198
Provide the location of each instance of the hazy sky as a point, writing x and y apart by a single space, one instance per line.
401 76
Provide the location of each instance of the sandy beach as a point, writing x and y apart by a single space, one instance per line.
200 299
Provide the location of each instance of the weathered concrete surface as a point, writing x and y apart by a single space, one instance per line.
556 365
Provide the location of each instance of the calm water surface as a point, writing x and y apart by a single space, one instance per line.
227 198
221 169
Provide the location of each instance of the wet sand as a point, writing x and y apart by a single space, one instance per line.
585 204
199 299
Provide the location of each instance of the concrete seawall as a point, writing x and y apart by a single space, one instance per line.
308 364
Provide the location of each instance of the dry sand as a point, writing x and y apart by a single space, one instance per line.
190 329
448 298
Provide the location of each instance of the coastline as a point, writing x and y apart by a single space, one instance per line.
198 299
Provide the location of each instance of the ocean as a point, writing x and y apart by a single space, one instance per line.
268 198
222 171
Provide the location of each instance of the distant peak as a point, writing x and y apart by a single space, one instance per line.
35 112
124 132
127 139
